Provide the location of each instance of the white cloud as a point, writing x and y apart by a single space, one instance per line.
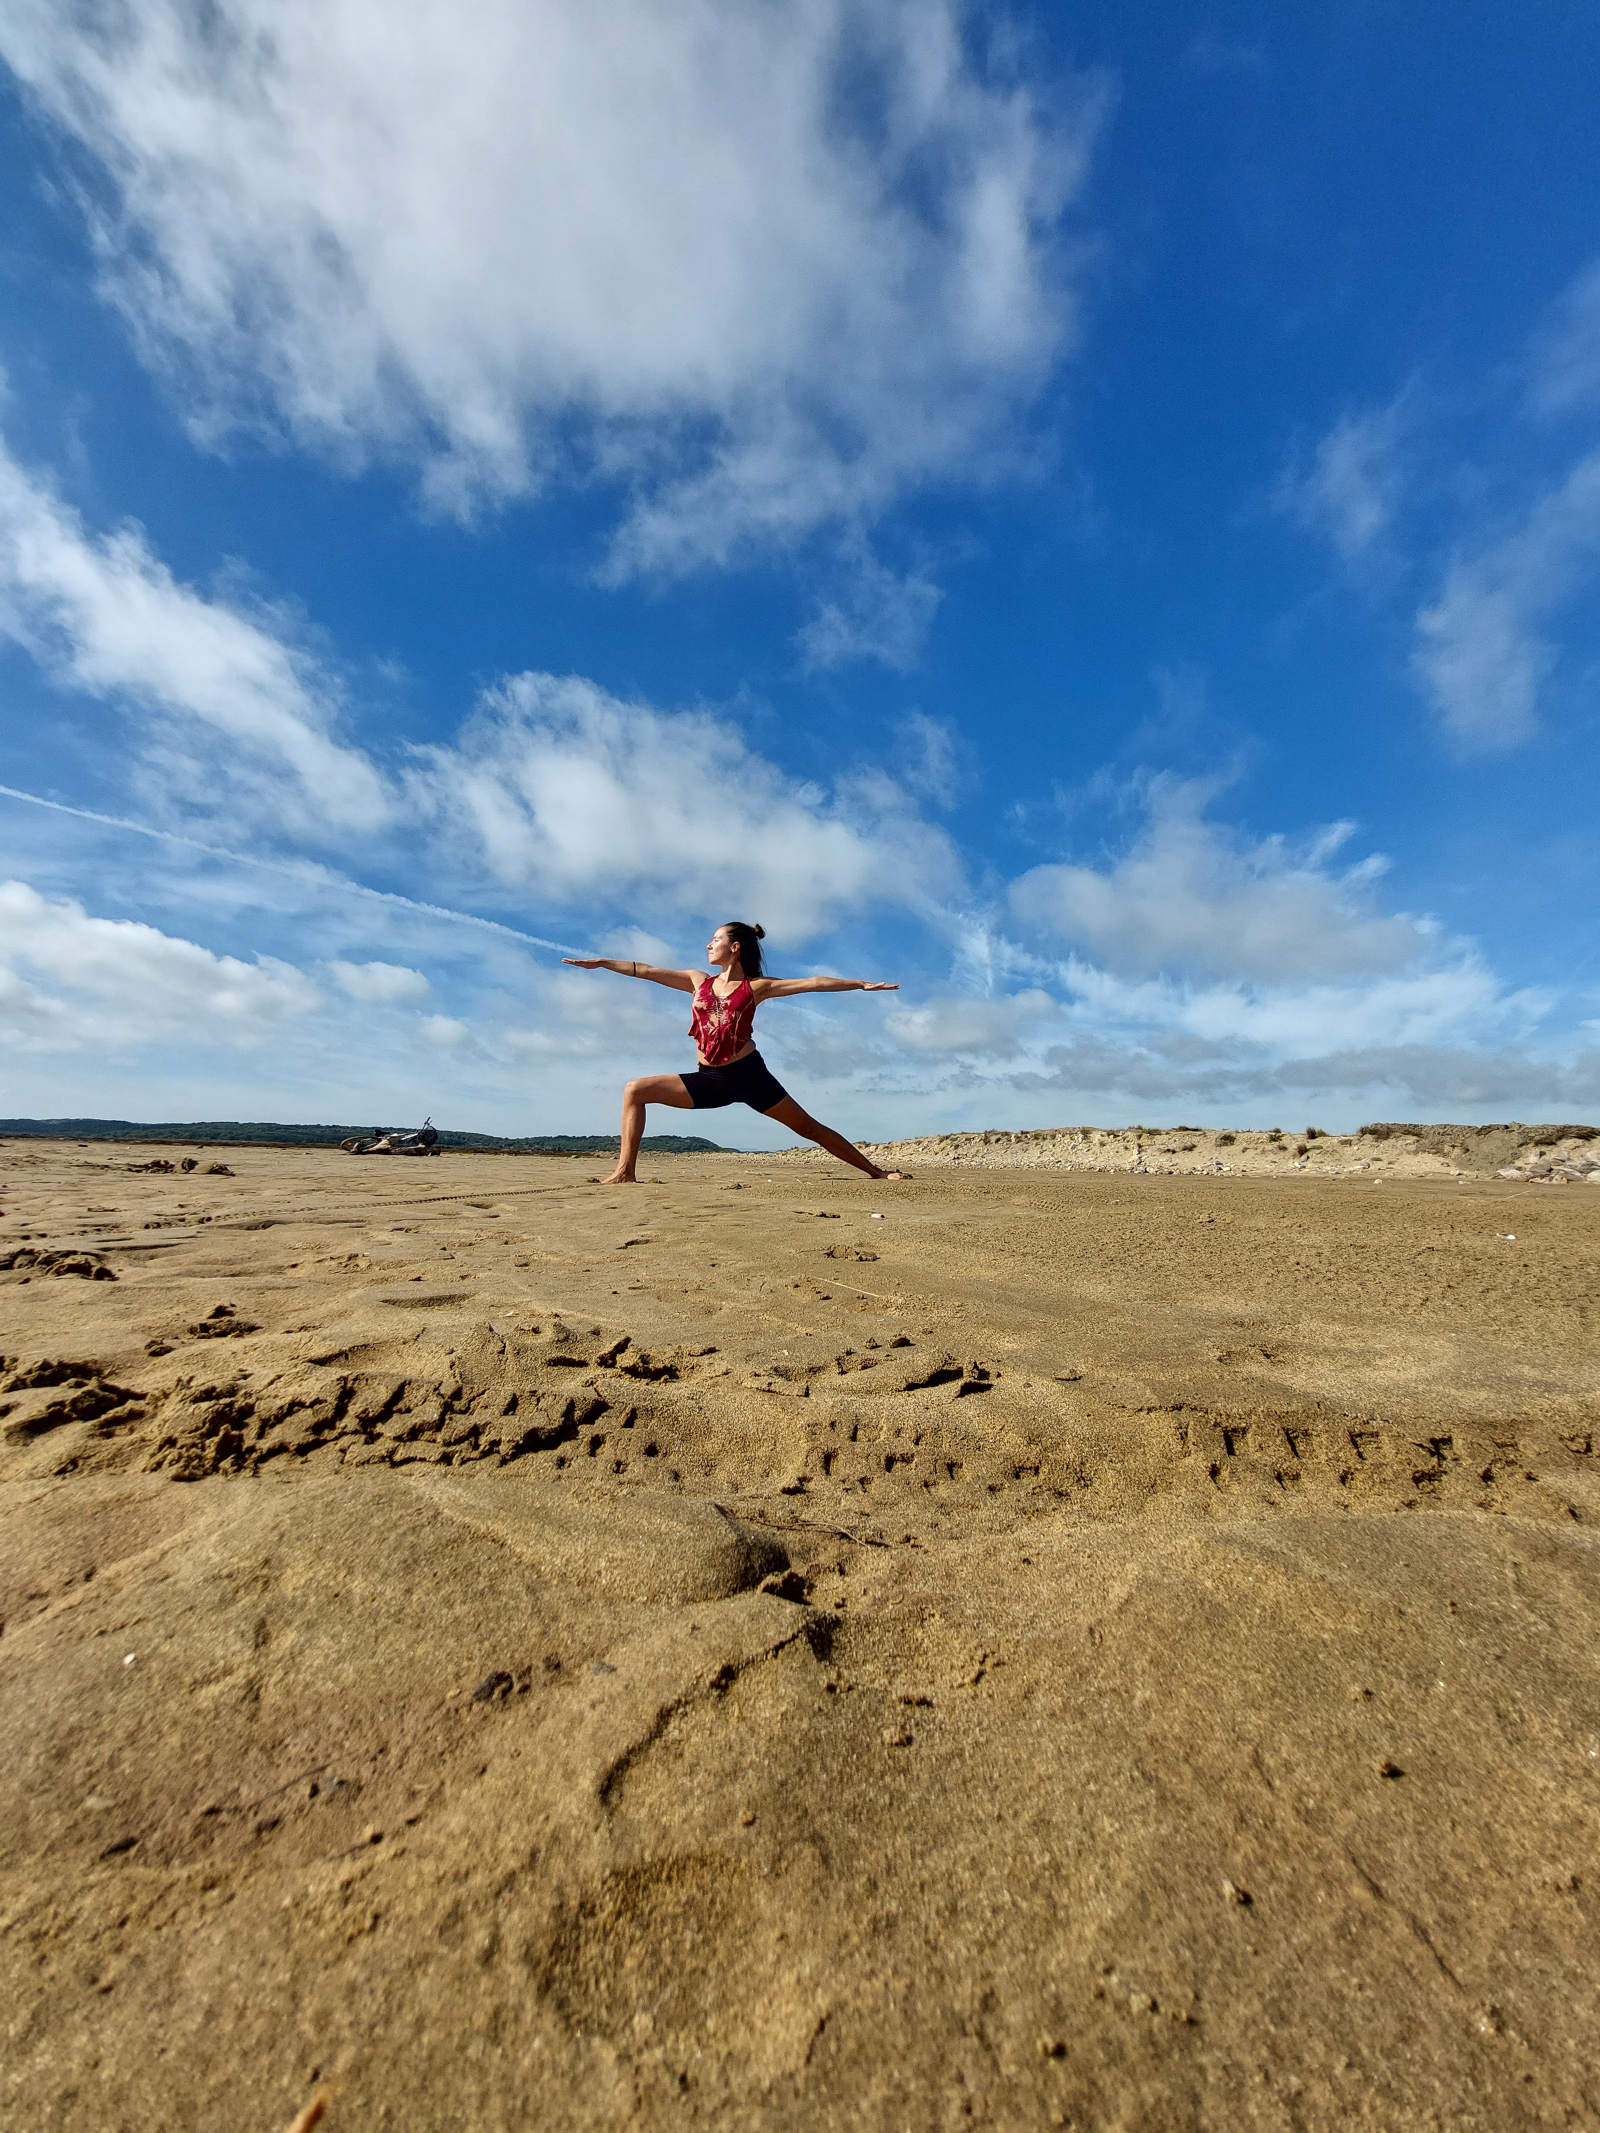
445 1030
104 615
381 982
1483 653
1108 1038
571 794
550 786
1192 899
595 1015
70 982
766 266
1566 353
992 1027
1432 1039
877 615
1286 1019
1440 1077
1350 489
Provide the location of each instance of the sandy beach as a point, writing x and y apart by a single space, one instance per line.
1036 1646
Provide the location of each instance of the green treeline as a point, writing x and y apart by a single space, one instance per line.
230 1132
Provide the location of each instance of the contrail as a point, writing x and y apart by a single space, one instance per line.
301 870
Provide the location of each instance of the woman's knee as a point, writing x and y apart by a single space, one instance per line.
634 1092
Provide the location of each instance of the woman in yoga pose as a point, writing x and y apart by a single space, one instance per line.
731 1070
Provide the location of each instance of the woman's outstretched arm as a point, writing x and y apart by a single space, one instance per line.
626 967
785 988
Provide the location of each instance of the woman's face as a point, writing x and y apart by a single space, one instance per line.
720 950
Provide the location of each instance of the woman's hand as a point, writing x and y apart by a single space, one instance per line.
877 985
584 962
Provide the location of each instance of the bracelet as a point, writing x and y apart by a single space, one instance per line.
636 966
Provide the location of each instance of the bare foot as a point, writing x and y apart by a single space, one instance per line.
892 1177
619 1177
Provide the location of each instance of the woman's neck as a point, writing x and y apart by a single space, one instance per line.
733 972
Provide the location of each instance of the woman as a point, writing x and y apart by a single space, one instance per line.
731 1070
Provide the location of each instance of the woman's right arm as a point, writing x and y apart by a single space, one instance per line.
626 967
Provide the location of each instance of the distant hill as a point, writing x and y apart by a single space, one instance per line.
232 1132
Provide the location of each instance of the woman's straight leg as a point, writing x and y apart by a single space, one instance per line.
788 1113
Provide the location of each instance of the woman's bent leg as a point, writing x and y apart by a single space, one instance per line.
649 1089
789 1114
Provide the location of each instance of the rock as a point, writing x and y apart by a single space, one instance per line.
492 1687
30 1259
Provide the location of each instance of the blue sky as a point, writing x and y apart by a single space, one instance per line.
1092 512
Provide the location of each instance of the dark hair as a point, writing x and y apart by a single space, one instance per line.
747 939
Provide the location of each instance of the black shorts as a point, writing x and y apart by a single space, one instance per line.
748 1081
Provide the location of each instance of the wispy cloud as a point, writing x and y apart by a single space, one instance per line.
548 785
766 267
1190 899
69 980
379 981
1450 1036
1452 1078
315 883
558 788
1487 644
1347 488
1305 1018
877 613
928 758
1564 363
993 1028
1484 650
101 614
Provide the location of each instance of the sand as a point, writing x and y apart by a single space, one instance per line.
1084 1649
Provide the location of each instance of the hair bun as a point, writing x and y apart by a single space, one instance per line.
760 932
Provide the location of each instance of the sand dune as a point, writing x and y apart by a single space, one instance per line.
1545 1154
1036 1646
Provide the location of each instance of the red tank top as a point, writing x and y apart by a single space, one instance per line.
721 1028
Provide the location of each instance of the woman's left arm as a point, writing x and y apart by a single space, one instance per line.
785 988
